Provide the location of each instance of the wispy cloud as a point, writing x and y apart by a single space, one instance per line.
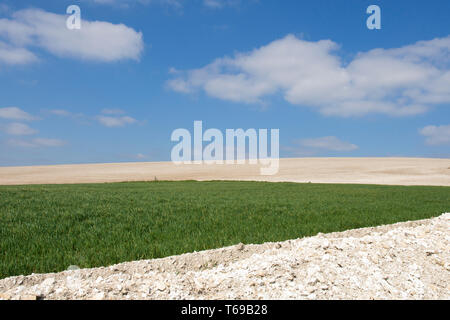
109 117
436 135
96 40
67 114
4 8
111 122
113 111
15 56
399 82
14 113
61 112
18 129
313 146
176 4
219 4
22 129
327 143
114 118
36 142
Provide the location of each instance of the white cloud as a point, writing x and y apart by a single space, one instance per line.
436 135
15 56
115 121
96 40
36 142
14 113
399 82
18 129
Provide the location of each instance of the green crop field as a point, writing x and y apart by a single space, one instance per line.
46 228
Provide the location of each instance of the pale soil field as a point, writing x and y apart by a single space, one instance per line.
390 171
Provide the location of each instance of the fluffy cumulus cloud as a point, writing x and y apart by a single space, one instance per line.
436 135
96 40
400 81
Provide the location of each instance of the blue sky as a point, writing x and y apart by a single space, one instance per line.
137 70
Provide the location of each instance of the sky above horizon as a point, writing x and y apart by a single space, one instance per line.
116 89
